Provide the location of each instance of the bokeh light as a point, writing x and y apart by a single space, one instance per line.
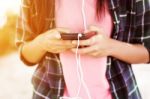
8 5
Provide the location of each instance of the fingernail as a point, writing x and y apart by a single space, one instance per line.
73 42
73 50
58 36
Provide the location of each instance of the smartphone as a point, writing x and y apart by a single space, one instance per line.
74 36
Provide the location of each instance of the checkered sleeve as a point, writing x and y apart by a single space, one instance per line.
23 29
142 31
48 80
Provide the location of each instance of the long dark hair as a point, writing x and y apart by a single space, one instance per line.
44 9
42 15
100 7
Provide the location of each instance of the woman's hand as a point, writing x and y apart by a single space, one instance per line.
101 45
51 41
98 45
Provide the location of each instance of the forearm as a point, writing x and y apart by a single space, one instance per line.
46 42
130 53
31 52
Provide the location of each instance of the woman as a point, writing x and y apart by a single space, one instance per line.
123 28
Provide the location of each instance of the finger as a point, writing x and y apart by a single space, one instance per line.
53 34
61 43
92 29
65 30
95 28
86 50
87 30
57 50
94 54
89 41
83 42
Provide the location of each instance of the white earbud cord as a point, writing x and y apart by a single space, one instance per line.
78 55
83 15
80 71
78 65
78 61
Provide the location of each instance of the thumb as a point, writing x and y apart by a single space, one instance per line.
56 32
63 30
95 28
52 34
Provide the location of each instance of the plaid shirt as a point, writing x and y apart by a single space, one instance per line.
131 24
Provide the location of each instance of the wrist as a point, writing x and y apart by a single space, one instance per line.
112 48
148 50
22 57
38 44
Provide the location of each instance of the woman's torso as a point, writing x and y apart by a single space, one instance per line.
69 15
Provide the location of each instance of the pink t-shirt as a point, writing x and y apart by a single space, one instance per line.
69 15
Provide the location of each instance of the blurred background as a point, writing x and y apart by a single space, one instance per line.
15 77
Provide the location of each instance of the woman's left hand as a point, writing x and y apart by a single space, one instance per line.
98 45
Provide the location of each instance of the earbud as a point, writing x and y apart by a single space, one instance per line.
80 35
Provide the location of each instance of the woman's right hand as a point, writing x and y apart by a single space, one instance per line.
51 41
